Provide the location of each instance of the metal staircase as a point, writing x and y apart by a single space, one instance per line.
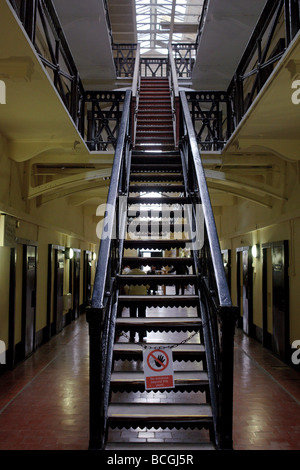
162 300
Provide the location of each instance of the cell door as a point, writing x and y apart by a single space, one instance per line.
58 291
280 299
76 285
29 299
247 291
87 277
238 289
267 292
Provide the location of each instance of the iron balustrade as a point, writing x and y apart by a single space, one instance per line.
101 315
154 67
184 57
211 118
102 113
276 28
41 23
217 312
124 59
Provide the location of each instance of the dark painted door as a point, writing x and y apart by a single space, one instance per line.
87 276
247 291
238 289
29 299
226 255
58 303
280 338
76 284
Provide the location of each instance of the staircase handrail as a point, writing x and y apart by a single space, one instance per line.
136 82
213 239
102 313
120 165
174 90
217 312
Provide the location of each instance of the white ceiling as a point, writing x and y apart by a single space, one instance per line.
227 30
84 25
225 34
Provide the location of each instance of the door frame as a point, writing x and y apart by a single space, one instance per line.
24 298
269 342
245 324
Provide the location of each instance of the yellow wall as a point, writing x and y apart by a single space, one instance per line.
56 223
246 224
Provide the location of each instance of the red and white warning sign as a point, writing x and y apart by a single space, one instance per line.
158 368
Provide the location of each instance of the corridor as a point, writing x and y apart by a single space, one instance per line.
44 402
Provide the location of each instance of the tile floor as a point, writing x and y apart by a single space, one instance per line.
44 401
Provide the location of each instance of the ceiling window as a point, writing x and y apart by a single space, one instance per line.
162 21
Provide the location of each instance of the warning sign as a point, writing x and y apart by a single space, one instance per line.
158 368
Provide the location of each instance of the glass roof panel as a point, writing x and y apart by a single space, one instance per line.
162 21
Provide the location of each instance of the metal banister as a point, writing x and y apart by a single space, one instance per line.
221 283
102 273
174 89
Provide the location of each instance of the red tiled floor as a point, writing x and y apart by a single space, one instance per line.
44 402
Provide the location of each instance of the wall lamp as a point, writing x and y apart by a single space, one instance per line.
69 253
255 251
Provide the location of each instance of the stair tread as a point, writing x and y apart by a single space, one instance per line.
176 321
156 188
159 446
157 200
159 411
161 261
180 377
156 277
155 177
155 243
181 348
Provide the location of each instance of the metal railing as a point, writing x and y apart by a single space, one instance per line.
41 23
102 314
101 120
217 312
277 26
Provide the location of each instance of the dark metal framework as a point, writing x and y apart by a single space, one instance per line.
154 67
217 312
209 112
184 55
274 31
103 112
124 58
42 25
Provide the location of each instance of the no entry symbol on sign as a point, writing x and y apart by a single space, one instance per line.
158 368
158 360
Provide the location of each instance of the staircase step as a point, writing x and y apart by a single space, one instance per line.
156 244
156 188
153 167
159 279
184 381
139 201
159 262
159 446
134 351
159 415
159 323
156 177
154 138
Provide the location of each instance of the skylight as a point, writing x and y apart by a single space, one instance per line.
162 21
